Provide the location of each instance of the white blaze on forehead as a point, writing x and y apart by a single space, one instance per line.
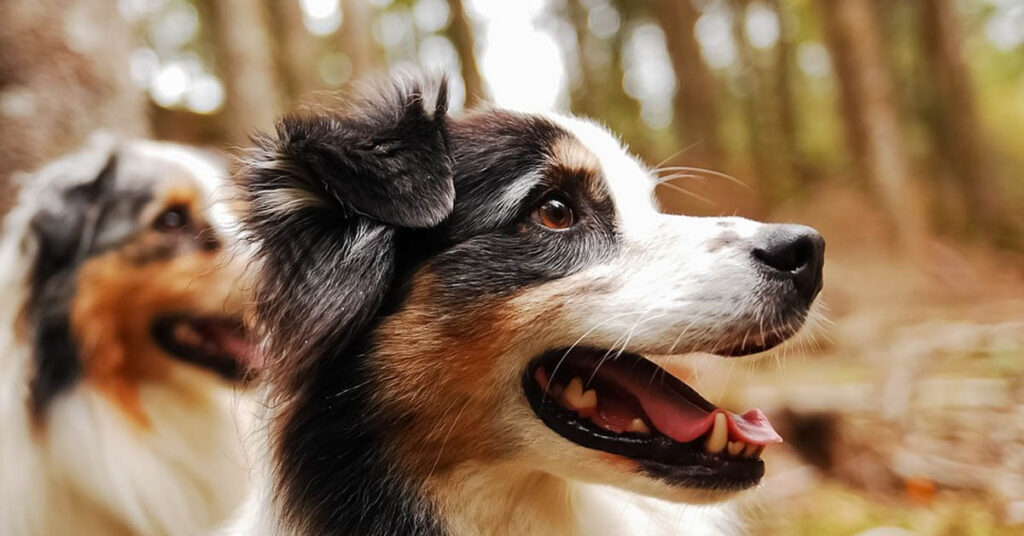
630 184
676 283
210 178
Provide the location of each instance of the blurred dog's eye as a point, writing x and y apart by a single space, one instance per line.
171 219
554 213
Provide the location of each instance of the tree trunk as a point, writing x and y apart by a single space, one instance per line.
63 73
764 136
244 51
786 110
870 113
696 118
296 50
460 31
356 41
960 137
582 99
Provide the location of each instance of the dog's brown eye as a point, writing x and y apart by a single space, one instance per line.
172 219
554 213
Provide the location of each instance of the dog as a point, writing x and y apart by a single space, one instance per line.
121 345
463 315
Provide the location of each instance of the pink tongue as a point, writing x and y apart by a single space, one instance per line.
683 420
235 344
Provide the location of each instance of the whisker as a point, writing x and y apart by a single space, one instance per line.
687 192
675 154
554 371
448 436
680 336
628 337
708 172
680 175
725 383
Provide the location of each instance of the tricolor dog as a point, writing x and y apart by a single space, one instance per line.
463 318
121 345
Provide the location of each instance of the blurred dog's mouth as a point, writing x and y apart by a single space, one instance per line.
626 405
220 344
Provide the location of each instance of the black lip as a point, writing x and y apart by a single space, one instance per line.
683 464
745 349
225 366
791 323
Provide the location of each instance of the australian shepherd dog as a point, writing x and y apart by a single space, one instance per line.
463 318
120 346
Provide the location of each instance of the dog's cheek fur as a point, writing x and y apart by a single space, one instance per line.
116 302
448 373
441 376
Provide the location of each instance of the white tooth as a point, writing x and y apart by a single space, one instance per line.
750 450
719 435
541 377
760 449
186 334
735 447
639 426
588 400
573 394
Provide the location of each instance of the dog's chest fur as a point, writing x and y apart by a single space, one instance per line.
91 471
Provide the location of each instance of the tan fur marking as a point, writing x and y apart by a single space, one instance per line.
571 157
505 500
444 377
115 305
450 375
571 154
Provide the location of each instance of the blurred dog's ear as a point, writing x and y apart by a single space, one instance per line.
325 197
63 234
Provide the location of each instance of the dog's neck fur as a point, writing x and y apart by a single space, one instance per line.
506 500
498 499
503 500
86 469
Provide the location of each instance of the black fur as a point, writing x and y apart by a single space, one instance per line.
495 248
326 267
335 259
65 236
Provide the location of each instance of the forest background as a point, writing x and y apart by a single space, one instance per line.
894 126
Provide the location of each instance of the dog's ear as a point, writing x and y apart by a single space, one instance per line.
324 200
62 231
387 159
65 231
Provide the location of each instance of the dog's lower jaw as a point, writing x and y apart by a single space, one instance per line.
506 499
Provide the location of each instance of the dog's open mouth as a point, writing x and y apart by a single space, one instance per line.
628 406
217 343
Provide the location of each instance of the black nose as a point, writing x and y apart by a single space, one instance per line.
792 251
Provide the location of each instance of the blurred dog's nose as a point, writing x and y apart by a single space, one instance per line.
794 251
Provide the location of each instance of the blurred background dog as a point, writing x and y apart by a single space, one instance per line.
121 347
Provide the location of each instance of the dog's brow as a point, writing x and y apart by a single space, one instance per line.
572 161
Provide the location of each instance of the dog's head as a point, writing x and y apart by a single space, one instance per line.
127 281
507 322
